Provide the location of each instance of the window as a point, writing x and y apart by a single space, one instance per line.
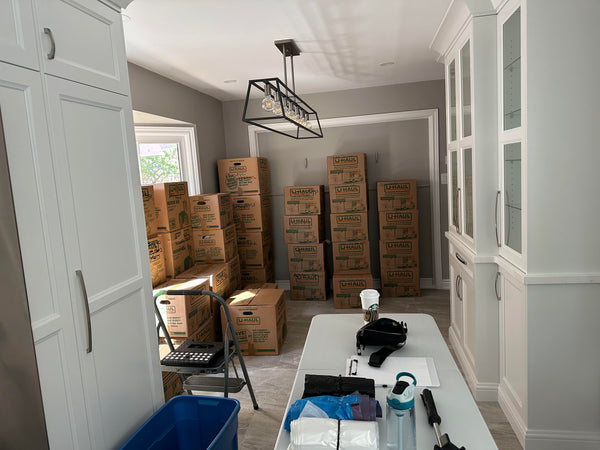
168 154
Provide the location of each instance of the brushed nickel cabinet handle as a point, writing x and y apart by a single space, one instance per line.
498 296
460 258
52 51
459 213
459 287
498 243
86 305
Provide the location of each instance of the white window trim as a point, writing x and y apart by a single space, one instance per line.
185 137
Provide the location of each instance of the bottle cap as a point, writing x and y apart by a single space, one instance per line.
402 395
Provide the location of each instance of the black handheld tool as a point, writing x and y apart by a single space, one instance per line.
435 420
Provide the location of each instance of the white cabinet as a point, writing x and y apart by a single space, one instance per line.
76 190
99 208
512 392
83 41
17 35
511 200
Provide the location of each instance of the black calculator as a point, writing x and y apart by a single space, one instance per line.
194 354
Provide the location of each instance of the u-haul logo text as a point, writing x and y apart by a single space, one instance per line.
220 277
353 284
305 250
302 192
354 247
176 189
400 274
345 160
397 187
154 246
146 194
398 245
306 277
300 221
237 169
352 189
399 217
349 218
248 320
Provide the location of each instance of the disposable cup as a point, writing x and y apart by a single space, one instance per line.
370 304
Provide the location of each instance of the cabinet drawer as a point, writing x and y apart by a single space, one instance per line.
17 34
83 41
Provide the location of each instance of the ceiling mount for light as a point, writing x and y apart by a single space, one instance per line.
281 102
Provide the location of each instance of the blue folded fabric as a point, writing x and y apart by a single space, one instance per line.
348 407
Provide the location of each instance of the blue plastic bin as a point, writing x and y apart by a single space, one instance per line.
189 422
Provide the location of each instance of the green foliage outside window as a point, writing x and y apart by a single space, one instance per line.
160 166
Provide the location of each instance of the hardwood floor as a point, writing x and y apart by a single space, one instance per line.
272 376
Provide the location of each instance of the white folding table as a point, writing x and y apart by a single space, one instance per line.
331 340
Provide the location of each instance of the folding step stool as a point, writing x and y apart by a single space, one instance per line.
193 377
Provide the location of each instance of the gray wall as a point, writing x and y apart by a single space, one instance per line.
401 147
155 94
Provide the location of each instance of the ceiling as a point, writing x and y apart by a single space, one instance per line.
216 46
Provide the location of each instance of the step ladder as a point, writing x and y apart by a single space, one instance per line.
202 377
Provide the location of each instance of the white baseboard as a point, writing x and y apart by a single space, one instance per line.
562 439
510 411
426 283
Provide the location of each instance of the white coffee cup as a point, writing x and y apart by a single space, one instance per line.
370 304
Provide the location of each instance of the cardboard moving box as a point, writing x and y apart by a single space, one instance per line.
345 198
172 385
215 246
308 286
255 249
350 168
349 227
244 175
398 225
351 257
234 274
172 205
158 267
347 289
400 282
252 213
217 274
259 320
258 275
303 229
396 195
304 200
306 257
178 247
150 213
211 211
183 314
400 253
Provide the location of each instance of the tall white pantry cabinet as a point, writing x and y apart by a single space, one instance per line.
64 100
524 211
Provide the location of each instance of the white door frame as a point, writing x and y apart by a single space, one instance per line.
431 115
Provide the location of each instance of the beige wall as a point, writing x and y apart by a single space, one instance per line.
385 140
154 94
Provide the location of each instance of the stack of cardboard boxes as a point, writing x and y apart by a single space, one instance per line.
156 251
173 226
398 238
347 177
303 227
247 181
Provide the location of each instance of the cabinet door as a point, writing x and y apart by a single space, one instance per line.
465 90
36 211
17 34
513 341
467 199
456 303
454 192
452 110
511 71
107 264
87 39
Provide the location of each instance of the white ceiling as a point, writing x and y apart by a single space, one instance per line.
203 43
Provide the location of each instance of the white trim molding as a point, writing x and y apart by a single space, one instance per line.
432 117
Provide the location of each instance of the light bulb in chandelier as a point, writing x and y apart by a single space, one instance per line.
276 106
268 101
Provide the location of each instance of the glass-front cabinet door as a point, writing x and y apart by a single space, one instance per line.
465 89
455 192
452 113
467 183
512 151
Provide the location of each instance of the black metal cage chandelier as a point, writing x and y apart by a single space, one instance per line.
281 102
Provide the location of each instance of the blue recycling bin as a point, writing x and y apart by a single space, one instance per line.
189 422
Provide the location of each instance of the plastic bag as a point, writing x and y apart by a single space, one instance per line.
309 433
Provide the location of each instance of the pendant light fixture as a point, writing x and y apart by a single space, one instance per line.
281 102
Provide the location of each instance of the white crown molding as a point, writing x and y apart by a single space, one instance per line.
456 18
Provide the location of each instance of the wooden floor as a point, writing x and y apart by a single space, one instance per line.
272 376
